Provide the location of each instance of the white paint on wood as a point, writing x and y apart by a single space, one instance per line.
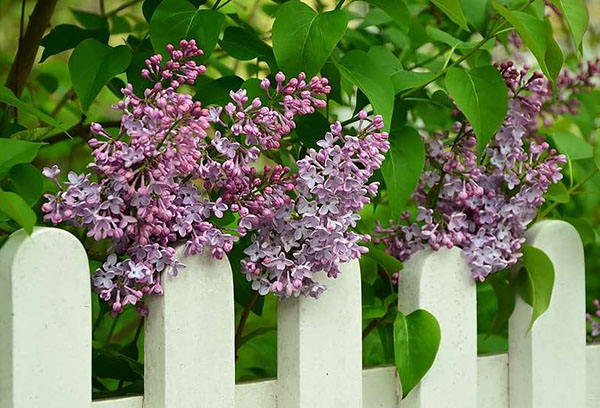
492 381
259 394
547 365
45 321
440 282
381 388
319 346
189 338
593 374
127 402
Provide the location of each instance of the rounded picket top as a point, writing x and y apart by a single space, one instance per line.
441 283
189 338
546 363
319 345
45 321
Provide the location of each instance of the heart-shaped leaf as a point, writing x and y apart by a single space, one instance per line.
537 35
245 45
416 342
17 209
13 152
358 68
67 36
483 98
402 167
536 281
176 20
303 39
453 9
92 65
575 14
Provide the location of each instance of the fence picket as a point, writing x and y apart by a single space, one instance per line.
440 282
189 338
45 321
547 365
319 346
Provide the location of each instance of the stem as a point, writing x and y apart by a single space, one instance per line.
570 191
28 47
63 101
340 4
122 7
243 320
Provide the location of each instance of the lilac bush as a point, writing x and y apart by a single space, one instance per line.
176 169
483 205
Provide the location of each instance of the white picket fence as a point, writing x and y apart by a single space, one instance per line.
45 337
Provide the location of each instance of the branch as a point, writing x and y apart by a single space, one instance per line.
80 130
243 319
28 47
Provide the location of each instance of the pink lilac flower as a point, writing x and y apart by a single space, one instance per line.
177 169
313 233
593 323
484 206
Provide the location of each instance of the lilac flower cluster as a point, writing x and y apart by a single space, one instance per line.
311 233
176 170
593 323
484 206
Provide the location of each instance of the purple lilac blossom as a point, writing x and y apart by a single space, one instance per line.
176 167
593 323
312 233
484 207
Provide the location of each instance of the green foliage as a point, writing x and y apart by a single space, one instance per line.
482 97
176 20
536 281
92 65
416 342
358 68
403 166
453 9
303 39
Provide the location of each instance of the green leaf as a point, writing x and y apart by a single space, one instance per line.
505 297
438 35
13 152
573 146
385 59
475 12
557 192
536 281
536 34
303 39
383 259
311 128
17 209
142 50
9 98
27 181
67 36
410 79
245 45
34 135
92 65
402 166
396 9
483 98
242 289
416 342
176 20
453 9
575 14
597 151
216 92
585 230
358 68
91 21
